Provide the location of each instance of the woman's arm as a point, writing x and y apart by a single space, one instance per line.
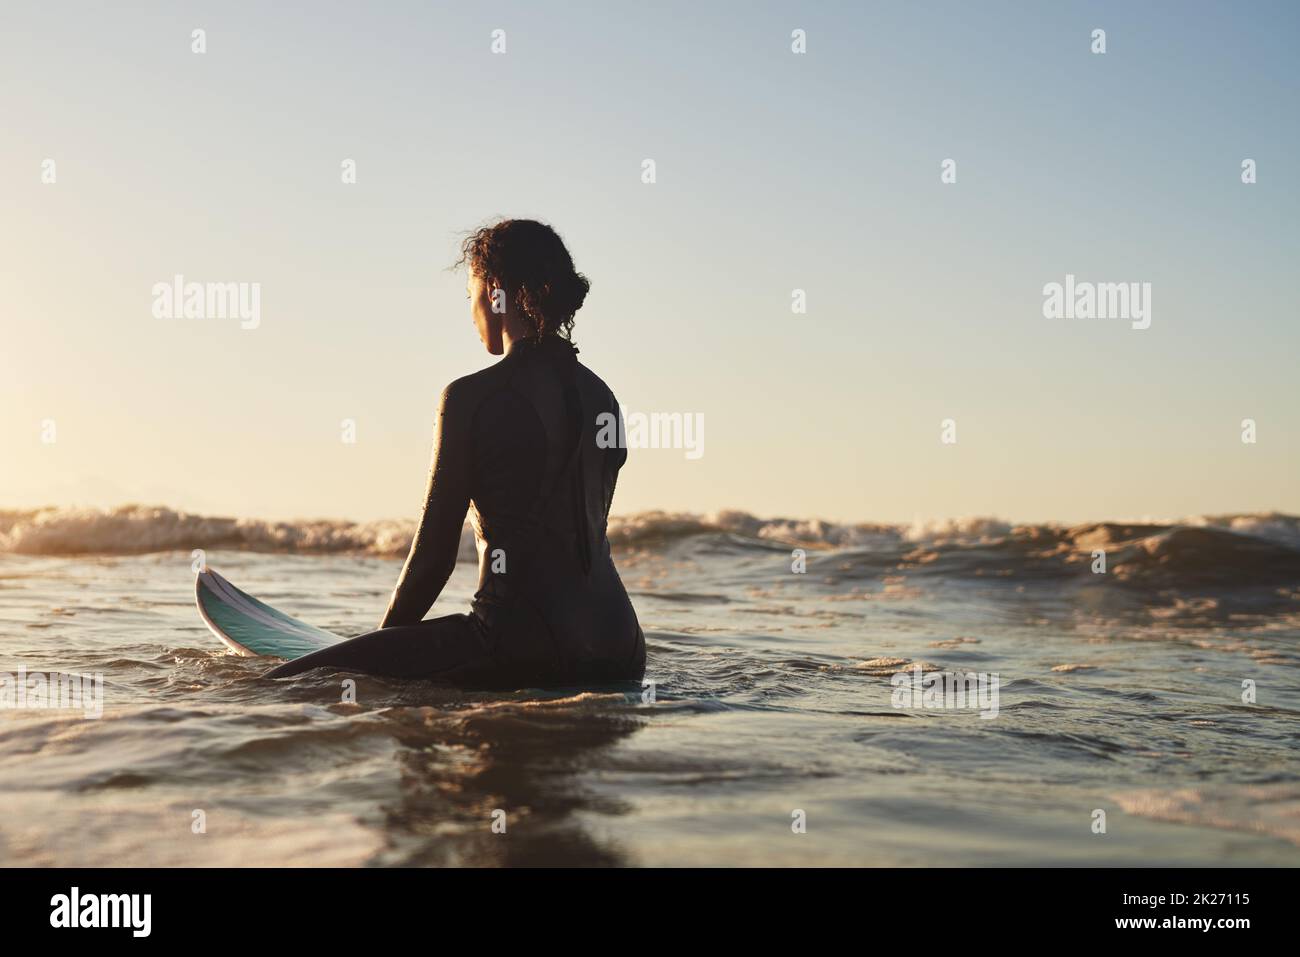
437 540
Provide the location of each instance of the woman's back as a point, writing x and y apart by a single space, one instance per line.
541 488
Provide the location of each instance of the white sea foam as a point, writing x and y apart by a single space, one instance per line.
139 528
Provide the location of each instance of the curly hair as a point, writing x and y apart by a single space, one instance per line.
534 268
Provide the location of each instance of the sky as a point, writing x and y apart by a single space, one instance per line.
774 171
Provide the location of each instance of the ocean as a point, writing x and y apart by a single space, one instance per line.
1141 713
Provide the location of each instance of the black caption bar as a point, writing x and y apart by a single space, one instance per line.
229 906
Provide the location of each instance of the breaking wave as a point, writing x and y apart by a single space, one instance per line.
1260 549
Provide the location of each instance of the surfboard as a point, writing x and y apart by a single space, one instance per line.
250 627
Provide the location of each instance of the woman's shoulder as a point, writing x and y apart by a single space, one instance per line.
462 398
595 386
476 386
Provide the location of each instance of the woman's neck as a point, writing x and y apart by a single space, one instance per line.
511 338
512 332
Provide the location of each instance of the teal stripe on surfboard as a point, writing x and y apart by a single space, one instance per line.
250 627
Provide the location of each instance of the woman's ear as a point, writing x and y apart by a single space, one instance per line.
497 298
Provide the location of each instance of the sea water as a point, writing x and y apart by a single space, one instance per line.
1144 714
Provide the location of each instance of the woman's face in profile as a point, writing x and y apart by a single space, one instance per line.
486 322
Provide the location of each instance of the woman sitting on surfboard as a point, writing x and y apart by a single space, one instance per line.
516 444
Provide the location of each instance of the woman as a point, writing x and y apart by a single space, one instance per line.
517 441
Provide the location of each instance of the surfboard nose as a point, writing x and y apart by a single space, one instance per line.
250 627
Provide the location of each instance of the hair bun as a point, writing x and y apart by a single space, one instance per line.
571 294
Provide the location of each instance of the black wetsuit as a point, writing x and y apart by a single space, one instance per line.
518 440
